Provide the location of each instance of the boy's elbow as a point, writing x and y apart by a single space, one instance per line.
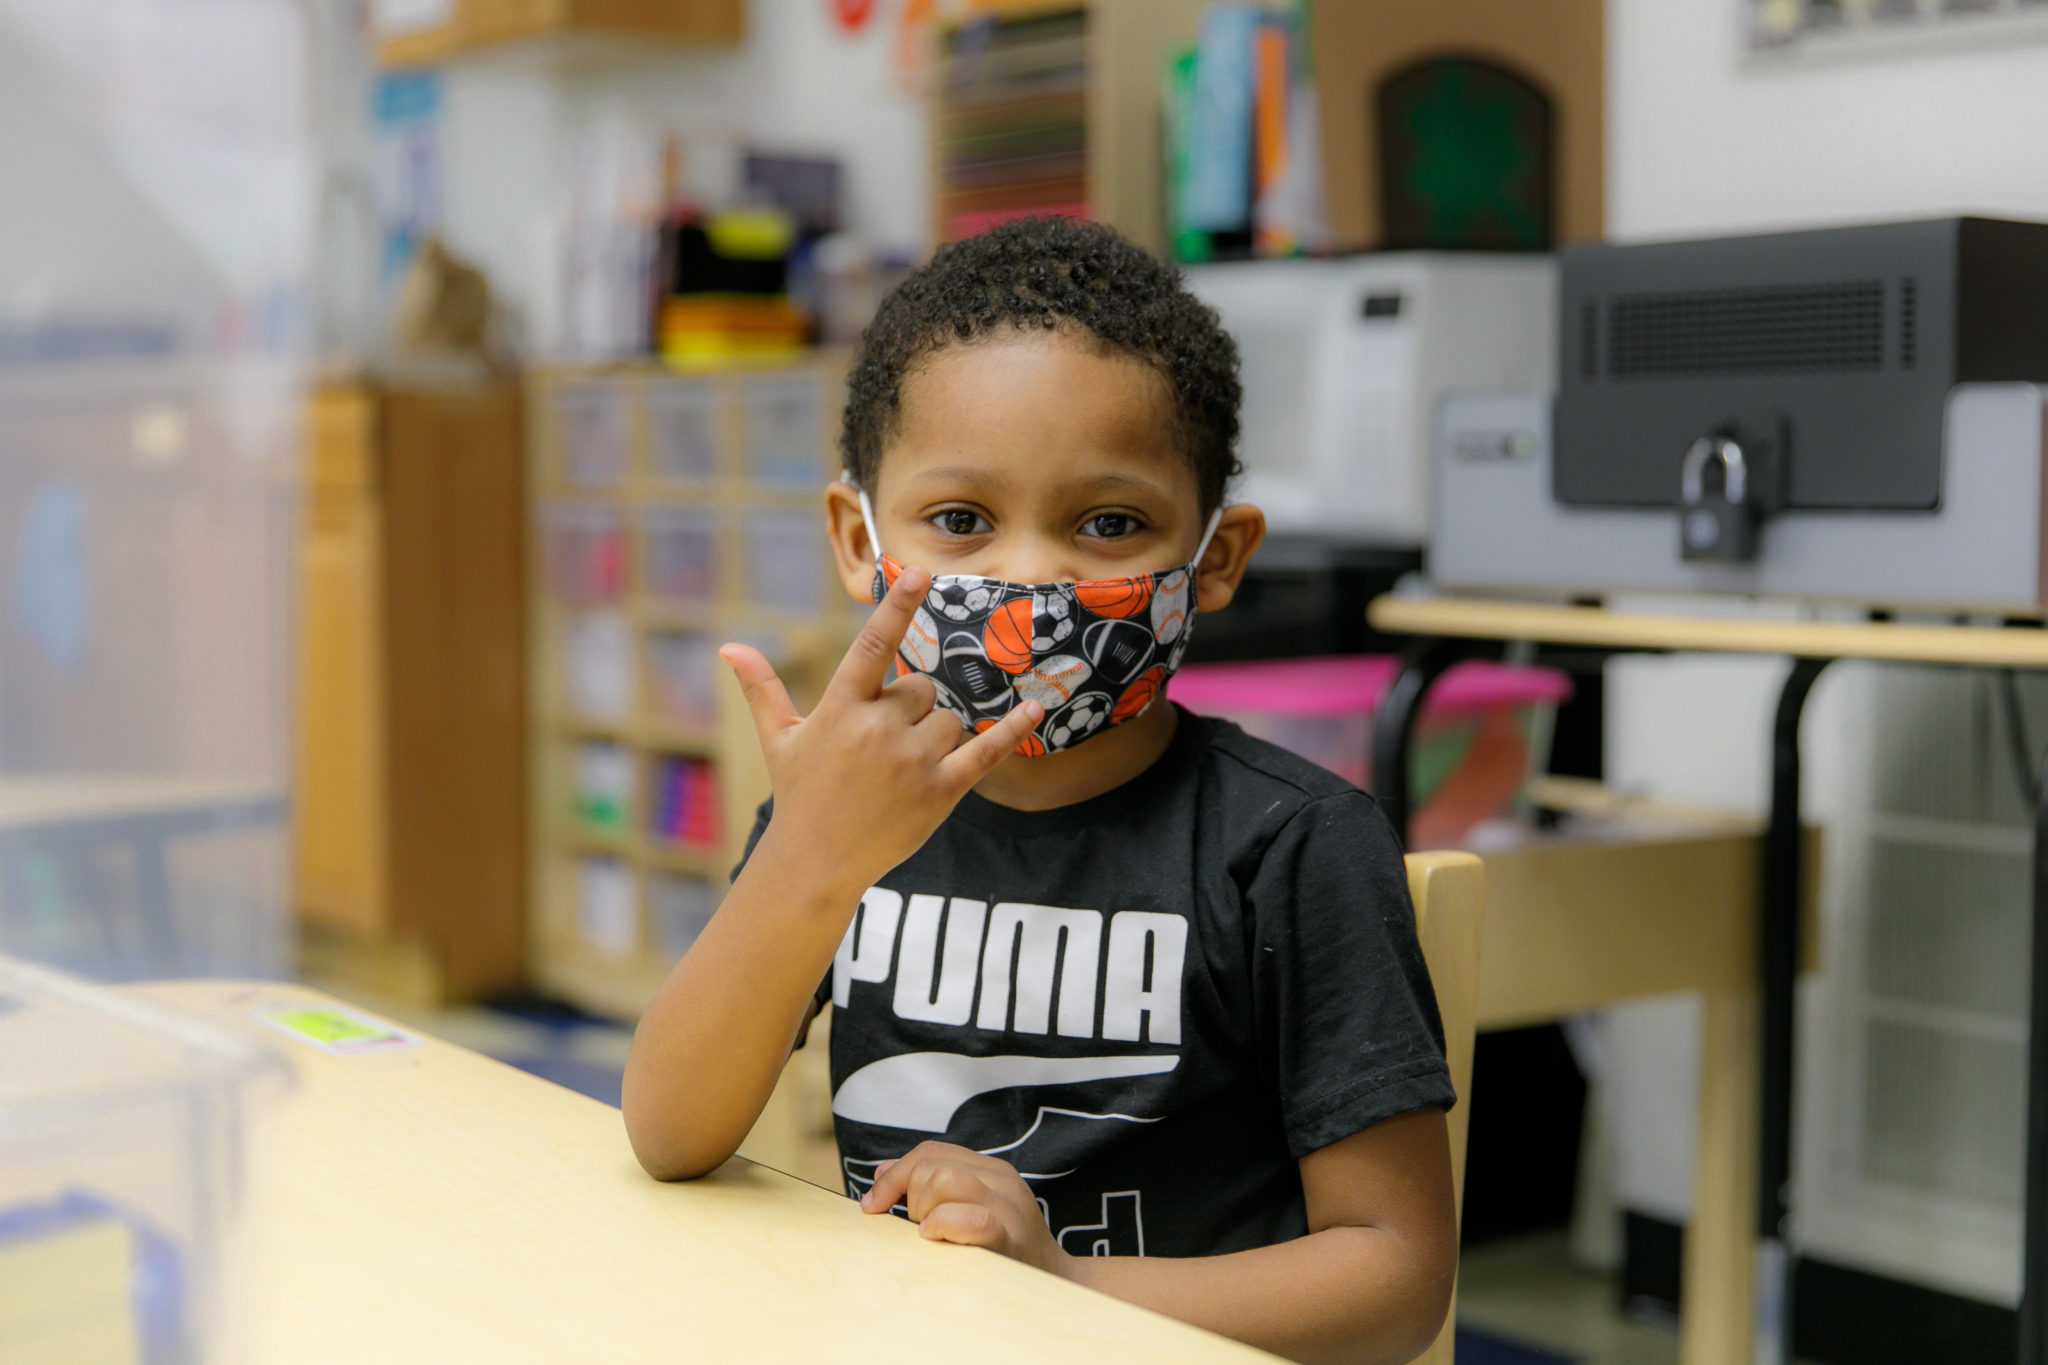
1427 1308
664 1152
670 1160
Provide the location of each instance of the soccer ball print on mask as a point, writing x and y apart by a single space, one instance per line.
1092 654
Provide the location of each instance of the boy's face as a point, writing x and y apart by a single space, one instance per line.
1038 457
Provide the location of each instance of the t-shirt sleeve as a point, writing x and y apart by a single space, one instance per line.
1348 1024
822 997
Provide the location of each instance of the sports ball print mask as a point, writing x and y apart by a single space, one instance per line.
1093 654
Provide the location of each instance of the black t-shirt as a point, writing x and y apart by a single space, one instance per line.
1151 1003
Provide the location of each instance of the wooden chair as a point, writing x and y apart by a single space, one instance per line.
1449 891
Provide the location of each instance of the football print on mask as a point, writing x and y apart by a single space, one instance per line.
964 665
1119 650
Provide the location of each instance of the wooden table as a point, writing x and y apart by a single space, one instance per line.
432 1205
1722 1301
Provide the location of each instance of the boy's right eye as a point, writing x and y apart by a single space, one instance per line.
958 521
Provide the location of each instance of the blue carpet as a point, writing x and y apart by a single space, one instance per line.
585 1078
1483 1348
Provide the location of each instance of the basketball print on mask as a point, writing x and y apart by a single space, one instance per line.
1082 717
968 670
1053 683
1170 607
1115 597
1052 618
1139 695
1007 636
1119 650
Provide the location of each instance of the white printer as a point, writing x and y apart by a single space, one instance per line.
1345 360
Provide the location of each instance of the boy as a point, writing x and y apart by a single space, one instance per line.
1144 1006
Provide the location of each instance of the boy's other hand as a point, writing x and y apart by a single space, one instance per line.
957 1195
862 781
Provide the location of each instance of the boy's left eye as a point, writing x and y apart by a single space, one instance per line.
1110 525
958 521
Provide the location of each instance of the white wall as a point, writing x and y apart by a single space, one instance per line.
1699 142
515 133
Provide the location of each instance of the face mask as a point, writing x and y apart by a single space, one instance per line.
1093 654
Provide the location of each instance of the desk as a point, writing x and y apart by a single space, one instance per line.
432 1205
1449 629
69 816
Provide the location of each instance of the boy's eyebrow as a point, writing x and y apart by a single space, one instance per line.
960 473
1106 482
976 476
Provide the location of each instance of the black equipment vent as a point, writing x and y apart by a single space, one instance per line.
1909 322
1838 325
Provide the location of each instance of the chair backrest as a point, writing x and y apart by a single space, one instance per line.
1449 891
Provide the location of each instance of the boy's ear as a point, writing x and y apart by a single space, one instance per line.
852 556
1238 534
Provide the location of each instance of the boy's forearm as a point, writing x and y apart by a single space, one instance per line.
713 1041
1345 1294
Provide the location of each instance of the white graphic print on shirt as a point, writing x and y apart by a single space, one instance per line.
1021 956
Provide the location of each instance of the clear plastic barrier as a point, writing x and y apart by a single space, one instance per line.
156 182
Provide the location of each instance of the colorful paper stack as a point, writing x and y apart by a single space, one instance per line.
686 803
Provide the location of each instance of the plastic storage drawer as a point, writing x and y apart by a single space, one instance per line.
784 553
591 421
782 419
682 430
679 549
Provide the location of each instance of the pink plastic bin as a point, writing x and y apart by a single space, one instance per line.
1483 731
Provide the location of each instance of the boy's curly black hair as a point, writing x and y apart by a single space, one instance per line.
1051 273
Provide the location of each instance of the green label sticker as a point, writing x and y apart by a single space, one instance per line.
339 1031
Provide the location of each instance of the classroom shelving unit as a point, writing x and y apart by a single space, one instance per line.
1054 106
673 512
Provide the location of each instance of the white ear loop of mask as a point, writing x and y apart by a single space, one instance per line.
867 519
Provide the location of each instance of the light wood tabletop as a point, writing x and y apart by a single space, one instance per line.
429 1204
1477 619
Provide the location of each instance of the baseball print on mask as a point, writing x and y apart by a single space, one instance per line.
1093 654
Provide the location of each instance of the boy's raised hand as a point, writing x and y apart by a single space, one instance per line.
862 781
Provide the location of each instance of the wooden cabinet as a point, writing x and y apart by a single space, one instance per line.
409 773
429 32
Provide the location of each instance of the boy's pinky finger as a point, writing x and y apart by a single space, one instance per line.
972 761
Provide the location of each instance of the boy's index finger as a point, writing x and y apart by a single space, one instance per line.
864 671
